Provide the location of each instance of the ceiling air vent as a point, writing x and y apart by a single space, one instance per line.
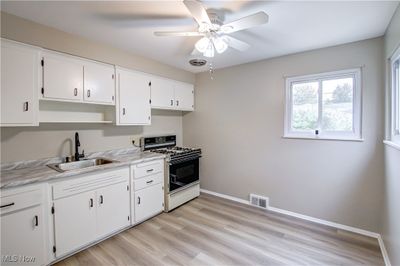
197 62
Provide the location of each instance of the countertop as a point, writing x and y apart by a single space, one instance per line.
29 172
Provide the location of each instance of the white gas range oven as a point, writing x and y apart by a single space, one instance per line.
181 169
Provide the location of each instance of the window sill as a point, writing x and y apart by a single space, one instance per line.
322 138
392 144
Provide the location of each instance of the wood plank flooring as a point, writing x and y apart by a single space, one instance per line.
213 231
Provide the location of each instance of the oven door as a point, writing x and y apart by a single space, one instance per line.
183 173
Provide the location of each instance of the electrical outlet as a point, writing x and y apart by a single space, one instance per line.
135 140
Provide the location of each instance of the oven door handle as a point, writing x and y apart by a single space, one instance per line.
173 178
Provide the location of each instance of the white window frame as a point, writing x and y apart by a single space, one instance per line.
395 102
354 135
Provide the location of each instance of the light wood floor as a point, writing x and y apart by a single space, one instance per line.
214 231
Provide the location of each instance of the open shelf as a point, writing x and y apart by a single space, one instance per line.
69 112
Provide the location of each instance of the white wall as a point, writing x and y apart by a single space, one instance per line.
391 204
239 125
56 140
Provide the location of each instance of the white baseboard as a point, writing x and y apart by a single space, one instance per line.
312 219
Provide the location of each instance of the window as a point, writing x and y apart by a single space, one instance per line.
324 106
395 94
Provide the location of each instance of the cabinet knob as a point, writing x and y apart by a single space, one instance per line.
172 102
101 199
91 203
138 198
123 111
26 106
76 92
177 103
88 93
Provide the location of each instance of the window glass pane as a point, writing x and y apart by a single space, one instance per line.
304 106
337 104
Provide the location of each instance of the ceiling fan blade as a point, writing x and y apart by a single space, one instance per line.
256 19
179 33
198 11
235 43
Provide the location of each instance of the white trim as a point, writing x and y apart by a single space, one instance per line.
322 138
385 255
392 144
225 196
312 219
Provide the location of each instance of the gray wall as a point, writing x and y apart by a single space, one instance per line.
239 125
55 140
391 204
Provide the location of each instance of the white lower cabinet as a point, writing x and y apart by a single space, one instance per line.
113 208
89 208
148 189
148 202
23 235
74 222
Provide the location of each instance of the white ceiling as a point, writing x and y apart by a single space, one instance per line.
293 26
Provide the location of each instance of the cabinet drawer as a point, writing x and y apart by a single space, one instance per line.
149 168
148 181
89 182
20 201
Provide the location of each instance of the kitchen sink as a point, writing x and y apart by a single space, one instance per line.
85 163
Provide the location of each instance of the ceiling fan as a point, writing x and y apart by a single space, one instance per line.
212 30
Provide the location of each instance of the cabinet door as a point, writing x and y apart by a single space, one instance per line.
133 106
99 83
74 222
22 237
62 77
184 96
148 202
162 93
19 84
113 210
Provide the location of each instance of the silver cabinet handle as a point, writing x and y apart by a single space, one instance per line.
101 199
177 103
138 198
88 93
172 102
123 111
76 92
149 182
91 203
149 170
26 106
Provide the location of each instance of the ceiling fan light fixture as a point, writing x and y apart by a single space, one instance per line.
220 45
202 44
209 52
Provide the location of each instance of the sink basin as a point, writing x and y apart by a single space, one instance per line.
62 167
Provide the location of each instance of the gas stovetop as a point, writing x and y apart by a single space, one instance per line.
177 154
167 145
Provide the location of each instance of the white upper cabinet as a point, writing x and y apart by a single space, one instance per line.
171 94
184 96
133 98
162 93
99 83
68 78
19 84
62 77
